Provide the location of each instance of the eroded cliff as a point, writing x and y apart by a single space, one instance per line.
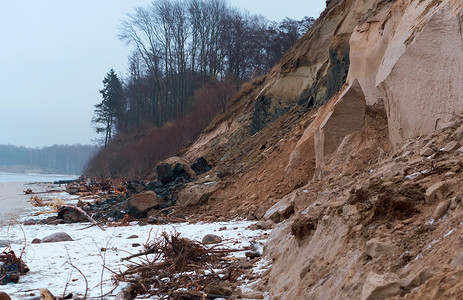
351 149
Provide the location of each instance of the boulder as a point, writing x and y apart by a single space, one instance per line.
174 168
4 296
57 237
36 241
375 248
211 239
133 236
441 209
281 210
196 193
140 204
436 192
379 287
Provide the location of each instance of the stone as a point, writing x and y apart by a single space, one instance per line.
218 290
375 248
200 166
379 287
253 226
4 296
441 209
57 237
436 192
459 150
36 241
211 239
135 186
261 225
133 236
427 152
140 204
452 146
252 295
252 254
281 210
174 168
337 204
196 193
29 222
415 279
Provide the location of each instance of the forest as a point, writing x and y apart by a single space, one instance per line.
58 159
189 59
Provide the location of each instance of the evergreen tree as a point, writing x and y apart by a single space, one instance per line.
109 113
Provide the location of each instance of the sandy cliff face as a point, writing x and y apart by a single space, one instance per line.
354 143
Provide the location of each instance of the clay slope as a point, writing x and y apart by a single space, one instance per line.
363 192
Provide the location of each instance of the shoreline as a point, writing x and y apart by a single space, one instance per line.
13 200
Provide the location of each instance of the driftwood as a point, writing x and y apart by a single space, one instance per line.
83 212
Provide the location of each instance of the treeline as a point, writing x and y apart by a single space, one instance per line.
189 58
62 159
180 46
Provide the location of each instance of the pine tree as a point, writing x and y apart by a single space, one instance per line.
109 113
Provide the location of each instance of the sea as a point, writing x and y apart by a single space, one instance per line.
33 177
13 200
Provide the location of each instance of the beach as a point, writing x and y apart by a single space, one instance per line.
57 266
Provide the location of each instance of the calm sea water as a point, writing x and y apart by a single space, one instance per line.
31 177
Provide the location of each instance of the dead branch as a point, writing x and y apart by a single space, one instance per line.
83 212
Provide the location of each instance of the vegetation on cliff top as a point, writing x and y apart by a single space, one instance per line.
188 60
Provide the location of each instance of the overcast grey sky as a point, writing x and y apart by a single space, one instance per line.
54 55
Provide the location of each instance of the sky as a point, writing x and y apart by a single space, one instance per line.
54 55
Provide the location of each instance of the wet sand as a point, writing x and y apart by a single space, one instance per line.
12 200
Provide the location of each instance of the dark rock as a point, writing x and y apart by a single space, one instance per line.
57 237
200 166
135 186
266 112
211 239
253 254
36 241
164 173
136 245
29 222
155 185
4 296
134 236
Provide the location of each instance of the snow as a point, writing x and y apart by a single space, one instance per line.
50 263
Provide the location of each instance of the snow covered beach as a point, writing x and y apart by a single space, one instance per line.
72 266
